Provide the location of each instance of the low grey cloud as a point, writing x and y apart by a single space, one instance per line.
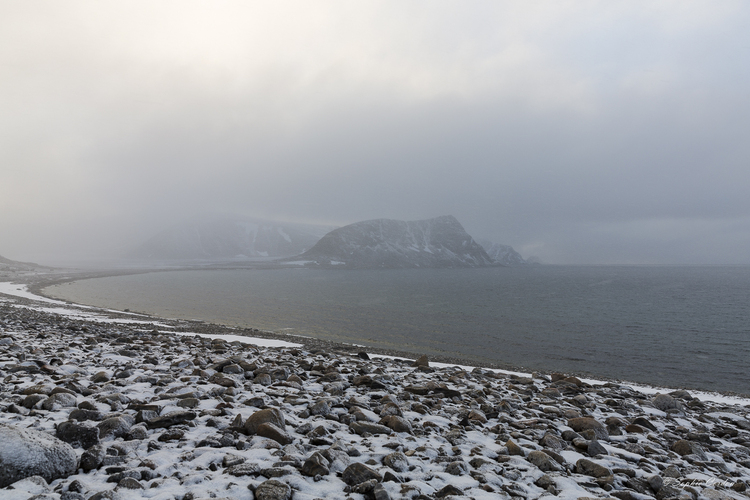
580 132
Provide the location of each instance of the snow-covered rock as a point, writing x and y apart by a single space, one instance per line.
28 452
385 243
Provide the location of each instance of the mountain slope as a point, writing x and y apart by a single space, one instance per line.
503 254
226 238
385 243
7 265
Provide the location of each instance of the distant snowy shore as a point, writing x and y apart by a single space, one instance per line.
126 406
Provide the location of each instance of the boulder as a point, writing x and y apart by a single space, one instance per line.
170 419
665 402
358 473
58 401
397 461
542 461
273 489
398 424
316 465
93 458
587 423
115 426
422 361
369 427
266 416
27 452
77 435
589 468
271 431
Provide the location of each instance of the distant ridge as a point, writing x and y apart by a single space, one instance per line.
229 238
392 244
7 265
503 254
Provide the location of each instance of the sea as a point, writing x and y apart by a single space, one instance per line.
686 327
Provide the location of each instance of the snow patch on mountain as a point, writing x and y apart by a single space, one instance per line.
503 254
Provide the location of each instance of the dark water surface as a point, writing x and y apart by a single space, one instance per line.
674 326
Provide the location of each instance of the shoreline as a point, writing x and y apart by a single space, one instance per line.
37 285
122 406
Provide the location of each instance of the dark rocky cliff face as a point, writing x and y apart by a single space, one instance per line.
385 243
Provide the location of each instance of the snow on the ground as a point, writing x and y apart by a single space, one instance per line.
261 342
20 290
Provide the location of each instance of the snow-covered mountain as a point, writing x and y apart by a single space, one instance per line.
7 265
385 243
229 238
503 254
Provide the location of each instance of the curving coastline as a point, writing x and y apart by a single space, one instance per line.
150 409
311 318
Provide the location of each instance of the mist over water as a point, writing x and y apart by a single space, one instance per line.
675 326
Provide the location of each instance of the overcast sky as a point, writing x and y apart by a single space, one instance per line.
579 132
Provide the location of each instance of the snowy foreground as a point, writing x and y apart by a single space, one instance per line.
107 408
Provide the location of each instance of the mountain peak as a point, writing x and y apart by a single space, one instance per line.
386 243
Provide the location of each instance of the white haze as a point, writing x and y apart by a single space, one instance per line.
581 132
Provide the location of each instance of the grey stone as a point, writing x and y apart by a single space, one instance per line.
77 435
422 361
244 469
398 424
656 482
316 465
397 461
380 493
587 423
137 432
448 490
71 495
130 483
513 448
93 457
231 459
358 473
233 369
188 403
170 419
595 448
273 489
589 468
58 401
32 400
268 415
369 427
28 452
82 415
223 380
115 426
339 459
35 485
542 461
665 402
271 431
457 468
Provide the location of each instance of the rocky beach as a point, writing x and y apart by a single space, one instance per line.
99 404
